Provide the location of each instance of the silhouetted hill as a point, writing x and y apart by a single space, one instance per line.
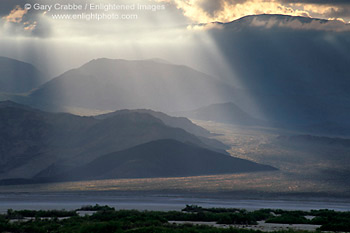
108 84
228 113
162 158
18 77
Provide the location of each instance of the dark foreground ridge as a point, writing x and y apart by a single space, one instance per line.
38 146
163 158
101 219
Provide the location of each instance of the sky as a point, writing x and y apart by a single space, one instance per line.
61 34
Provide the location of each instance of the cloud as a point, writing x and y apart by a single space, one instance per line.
326 11
341 12
39 24
21 22
205 11
15 21
16 15
30 26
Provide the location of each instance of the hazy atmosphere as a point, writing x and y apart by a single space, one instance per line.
159 104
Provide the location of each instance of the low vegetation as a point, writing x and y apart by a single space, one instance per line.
108 220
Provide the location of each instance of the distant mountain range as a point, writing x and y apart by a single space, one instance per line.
107 84
285 73
38 146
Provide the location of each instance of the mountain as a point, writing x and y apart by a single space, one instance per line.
176 122
35 142
294 69
162 158
228 113
18 77
107 84
291 72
